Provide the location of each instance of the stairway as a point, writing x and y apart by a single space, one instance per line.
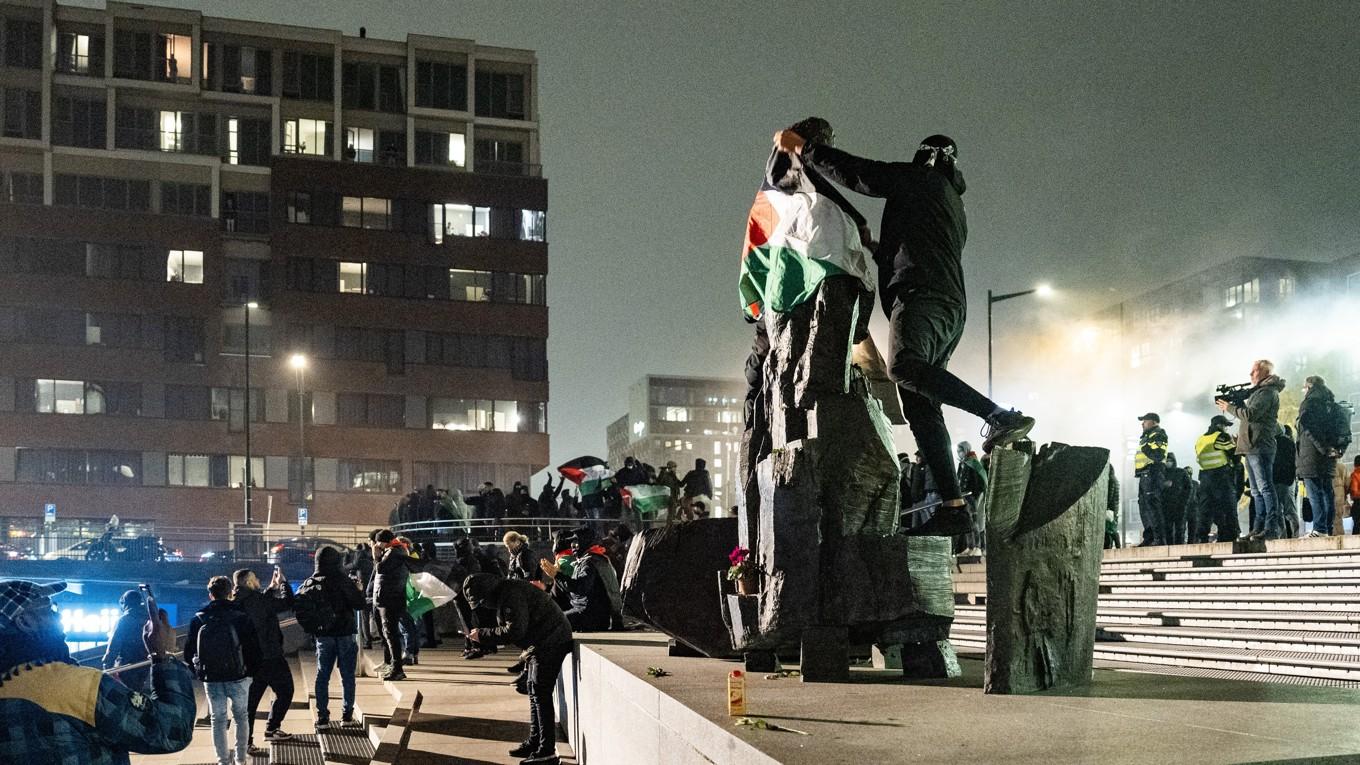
1288 614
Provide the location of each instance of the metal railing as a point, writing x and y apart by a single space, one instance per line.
492 529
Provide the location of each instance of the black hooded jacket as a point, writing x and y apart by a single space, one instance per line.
525 615
263 607
924 225
340 591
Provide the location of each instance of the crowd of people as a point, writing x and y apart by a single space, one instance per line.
1288 476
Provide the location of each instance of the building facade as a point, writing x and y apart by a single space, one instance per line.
225 237
683 419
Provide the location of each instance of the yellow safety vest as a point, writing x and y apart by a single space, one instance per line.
1210 455
1156 439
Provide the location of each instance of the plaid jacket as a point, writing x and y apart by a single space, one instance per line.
62 714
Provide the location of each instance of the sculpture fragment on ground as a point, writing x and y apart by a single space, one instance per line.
1045 525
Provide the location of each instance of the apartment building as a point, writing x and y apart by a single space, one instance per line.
683 419
246 254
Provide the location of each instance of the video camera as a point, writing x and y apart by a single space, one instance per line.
1235 395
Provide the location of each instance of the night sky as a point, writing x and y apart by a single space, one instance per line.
1106 151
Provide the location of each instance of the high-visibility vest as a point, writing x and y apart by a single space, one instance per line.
1155 440
1208 453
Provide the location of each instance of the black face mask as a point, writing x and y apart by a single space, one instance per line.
20 647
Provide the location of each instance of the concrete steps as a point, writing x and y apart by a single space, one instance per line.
1288 613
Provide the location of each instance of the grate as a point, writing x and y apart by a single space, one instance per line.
351 744
301 749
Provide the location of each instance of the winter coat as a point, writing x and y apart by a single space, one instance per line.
1314 459
1283 465
593 590
1353 488
524 564
126 645
245 633
263 608
698 483
1259 418
525 615
924 225
389 580
339 590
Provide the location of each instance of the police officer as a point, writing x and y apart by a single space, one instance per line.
1149 465
1216 451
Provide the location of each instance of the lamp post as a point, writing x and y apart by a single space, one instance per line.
299 364
1043 291
248 478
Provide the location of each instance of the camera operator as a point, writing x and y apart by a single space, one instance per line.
1259 422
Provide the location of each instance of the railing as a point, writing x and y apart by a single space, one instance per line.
490 530
501 167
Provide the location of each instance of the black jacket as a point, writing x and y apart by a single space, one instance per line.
593 592
125 645
525 615
245 633
697 482
263 607
1314 459
524 564
340 591
389 578
924 225
1284 459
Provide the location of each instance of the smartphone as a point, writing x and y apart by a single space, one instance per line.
152 610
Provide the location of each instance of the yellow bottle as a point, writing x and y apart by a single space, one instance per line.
736 693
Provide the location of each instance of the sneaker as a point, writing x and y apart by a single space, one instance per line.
550 758
1314 535
394 676
322 724
257 751
347 720
1005 428
516 668
277 734
382 669
411 660
206 721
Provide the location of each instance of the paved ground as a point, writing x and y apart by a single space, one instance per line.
1123 717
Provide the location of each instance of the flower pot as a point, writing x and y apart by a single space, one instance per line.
748 583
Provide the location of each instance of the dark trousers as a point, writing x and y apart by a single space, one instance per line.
924 333
543 667
1150 505
389 623
277 676
431 635
1220 504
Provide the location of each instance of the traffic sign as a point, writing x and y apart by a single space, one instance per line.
50 513
302 515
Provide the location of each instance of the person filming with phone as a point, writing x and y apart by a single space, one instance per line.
263 606
53 711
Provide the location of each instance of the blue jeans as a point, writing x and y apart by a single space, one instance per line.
229 698
1323 499
330 653
1260 473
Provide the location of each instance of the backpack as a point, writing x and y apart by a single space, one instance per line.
218 657
1330 425
313 608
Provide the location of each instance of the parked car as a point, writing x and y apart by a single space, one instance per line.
297 556
14 552
218 556
143 549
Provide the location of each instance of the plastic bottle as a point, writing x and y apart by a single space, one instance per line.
736 693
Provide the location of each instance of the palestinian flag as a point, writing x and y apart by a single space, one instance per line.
646 499
591 474
794 240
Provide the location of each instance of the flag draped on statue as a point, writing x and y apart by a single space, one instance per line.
646 499
794 240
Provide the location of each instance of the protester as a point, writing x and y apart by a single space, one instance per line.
547 499
1286 481
412 631
1259 416
1317 455
631 474
325 606
224 651
273 672
615 544
1353 494
523 561
362 569
1216 452
1112 539
53 711
526 617
920 279
697 484
126 644
429 553
973 482
1149 466
389 600
493 503
592 587
670 480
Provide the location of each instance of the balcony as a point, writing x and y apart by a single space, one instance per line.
502 167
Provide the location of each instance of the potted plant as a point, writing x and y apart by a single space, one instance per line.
743 571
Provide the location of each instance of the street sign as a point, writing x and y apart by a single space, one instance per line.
302 515
50 513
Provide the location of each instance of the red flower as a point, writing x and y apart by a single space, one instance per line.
738 556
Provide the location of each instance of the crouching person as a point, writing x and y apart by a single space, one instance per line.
527 617
52 711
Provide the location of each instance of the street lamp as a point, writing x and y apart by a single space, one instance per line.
298 362
1042 290
252 305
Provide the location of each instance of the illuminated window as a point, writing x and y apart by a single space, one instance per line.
352 277
471 286
304 136
366 212
676 414
459 220
533 225
184 266
359 144
172 131
73 53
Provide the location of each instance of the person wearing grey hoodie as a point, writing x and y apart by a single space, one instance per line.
1259 416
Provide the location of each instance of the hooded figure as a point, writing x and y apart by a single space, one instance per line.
592 588
125 642
920 281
